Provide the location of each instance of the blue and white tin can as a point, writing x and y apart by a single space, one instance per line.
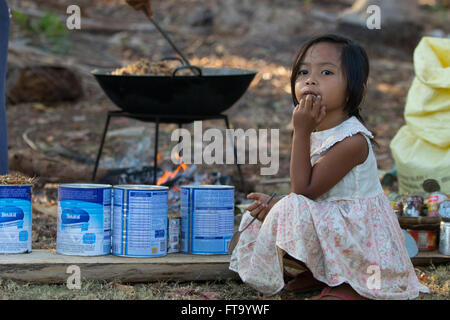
15 218
84 219
207 218
140 217
173 234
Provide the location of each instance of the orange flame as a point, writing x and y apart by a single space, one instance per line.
158 158
169 175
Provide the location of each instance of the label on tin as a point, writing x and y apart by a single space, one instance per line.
433 203
140 222
426 240
422 240
84 221
173 235
207 220
15 219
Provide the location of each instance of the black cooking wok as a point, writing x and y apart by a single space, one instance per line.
209 92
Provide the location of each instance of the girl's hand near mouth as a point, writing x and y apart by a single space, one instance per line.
308 114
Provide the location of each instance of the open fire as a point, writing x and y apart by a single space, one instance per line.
169 175
185 175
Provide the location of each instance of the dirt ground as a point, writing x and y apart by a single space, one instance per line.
264 38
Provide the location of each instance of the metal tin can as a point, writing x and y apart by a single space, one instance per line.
444 242
444 209
15 218
173 234
433 201
84 219
412 206
396 202
426 240
207 218
140 221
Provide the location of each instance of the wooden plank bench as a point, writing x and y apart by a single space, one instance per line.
46 266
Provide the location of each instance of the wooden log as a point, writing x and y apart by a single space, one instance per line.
46 266
424 258
92 25
419 220
420 223
25 55
391 11
43 83
34 164
399 24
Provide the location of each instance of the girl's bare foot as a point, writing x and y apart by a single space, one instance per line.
304 282
342 292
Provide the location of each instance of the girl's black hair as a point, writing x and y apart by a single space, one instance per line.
355 64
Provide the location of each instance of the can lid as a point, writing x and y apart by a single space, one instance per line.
85 185
140 187
431 185
208 186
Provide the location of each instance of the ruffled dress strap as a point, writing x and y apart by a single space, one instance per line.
323 140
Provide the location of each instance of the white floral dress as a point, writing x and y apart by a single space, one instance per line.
348 235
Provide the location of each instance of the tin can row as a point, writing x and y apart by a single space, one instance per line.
125 220
434 205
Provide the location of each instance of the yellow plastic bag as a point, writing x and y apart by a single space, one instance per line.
421 149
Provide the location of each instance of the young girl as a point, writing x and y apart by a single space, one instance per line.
337 225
